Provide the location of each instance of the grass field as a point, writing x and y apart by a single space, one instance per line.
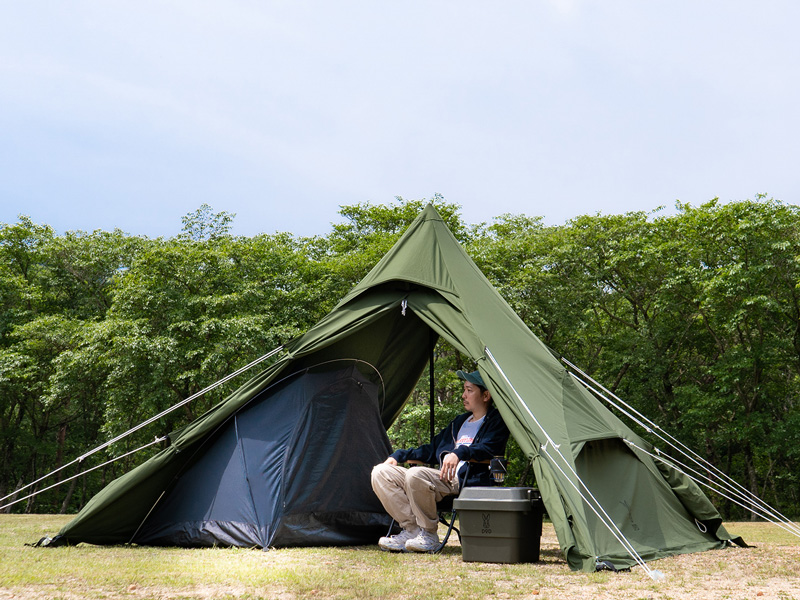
770 570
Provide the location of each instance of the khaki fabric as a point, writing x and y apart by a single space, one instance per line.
410 495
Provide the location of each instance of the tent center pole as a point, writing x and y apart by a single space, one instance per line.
432 387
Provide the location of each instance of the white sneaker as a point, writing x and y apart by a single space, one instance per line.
424 542
397 543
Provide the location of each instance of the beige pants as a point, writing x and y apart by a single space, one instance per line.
410 495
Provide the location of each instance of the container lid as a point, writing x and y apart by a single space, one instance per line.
498 493
498 499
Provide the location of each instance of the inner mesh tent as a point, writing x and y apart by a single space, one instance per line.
291 466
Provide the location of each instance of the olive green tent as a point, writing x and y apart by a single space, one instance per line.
608 499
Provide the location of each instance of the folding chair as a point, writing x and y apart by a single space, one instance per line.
445 507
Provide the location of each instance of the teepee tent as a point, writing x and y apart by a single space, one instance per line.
285 460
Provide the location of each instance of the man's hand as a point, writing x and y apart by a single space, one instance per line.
449 465
390 461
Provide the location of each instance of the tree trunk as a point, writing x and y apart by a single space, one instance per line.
68 497
751 475
13 498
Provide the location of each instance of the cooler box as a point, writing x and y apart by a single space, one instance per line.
499 524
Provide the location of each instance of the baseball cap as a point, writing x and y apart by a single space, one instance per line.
474 377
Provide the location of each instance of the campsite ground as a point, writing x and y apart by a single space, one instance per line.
770 570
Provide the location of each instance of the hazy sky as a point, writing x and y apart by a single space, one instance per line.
132 114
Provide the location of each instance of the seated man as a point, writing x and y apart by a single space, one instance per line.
410 495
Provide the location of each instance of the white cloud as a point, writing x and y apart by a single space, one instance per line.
280 111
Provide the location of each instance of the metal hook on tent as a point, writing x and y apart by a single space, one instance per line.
544 446
403 307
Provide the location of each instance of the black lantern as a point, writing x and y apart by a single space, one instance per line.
498 467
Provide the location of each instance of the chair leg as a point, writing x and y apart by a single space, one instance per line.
450 527
391 527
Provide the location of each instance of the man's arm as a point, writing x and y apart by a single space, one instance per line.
427 452
492 440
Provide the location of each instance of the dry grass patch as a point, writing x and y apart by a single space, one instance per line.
767 572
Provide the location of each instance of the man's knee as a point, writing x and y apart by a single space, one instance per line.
383 474
418 478
378 472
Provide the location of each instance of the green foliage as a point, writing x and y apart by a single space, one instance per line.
202 224
693 318
355 246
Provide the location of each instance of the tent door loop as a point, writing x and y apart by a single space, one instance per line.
701 526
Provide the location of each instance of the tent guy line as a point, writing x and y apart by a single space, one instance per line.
773 516
679 466
158 440
723 480
141 425
605 518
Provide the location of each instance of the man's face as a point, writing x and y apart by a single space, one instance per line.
473 398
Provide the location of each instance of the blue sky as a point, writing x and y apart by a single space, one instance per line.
131 114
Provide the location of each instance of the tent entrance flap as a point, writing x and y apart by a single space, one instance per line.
291 468
325 486
638 504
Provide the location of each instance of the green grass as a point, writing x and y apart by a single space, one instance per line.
85 571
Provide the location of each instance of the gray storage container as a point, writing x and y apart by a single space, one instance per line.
499 524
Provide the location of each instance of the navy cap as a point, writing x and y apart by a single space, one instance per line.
474 377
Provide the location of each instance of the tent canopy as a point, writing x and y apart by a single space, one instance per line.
588 464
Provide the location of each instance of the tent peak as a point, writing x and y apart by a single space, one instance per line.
430 212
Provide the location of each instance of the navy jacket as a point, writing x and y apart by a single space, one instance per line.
490 441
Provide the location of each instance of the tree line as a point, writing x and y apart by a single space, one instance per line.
693 318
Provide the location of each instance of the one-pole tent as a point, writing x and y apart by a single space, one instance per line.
608 499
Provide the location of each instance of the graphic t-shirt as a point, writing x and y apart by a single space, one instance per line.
466 435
